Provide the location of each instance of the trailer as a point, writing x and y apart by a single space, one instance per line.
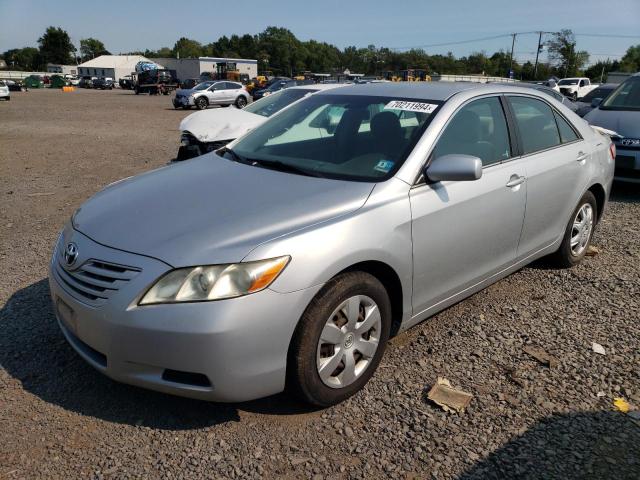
154 82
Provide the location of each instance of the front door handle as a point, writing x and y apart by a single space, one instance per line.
581 156
515 180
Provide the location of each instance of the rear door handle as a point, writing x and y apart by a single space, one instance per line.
515 180
581 156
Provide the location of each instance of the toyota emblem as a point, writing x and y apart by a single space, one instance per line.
70 254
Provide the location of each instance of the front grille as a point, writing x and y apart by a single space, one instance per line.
95 280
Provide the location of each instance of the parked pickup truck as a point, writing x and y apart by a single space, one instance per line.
576 88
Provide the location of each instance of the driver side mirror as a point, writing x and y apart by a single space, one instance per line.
454 167
595 102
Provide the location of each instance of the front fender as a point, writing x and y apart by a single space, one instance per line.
379 231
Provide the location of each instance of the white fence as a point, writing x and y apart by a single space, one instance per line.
16 75
471 78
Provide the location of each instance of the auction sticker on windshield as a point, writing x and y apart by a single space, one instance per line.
410 106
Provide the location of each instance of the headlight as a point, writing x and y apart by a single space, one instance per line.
266 94
185 140
214 282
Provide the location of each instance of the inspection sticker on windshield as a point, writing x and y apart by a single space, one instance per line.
410 106
384 166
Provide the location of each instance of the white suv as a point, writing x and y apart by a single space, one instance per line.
212 93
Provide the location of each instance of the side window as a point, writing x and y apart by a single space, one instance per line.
536 124
477 129
567 134
233 86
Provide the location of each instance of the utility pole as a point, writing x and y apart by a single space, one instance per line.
513 43
535 68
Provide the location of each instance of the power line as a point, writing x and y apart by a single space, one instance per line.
604 35
461 42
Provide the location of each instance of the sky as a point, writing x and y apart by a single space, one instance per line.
137 25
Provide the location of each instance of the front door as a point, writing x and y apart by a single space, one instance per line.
464 231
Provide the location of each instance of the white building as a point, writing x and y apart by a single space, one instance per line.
192 67
62 69
111 66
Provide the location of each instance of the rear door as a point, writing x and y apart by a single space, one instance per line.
464 231
555 157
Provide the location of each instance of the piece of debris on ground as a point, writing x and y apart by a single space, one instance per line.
541 355
592 251
599 349
447 397
621 404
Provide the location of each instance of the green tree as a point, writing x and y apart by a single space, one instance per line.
187 48
92 48
630 62
562 52
27 59
56 47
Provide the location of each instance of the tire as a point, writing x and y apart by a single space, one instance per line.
201 103
567 255
574 97
137 90
241 102
324 338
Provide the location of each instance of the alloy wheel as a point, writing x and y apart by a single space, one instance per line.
581 229
348 341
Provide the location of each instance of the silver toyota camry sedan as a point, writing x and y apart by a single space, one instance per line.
289 257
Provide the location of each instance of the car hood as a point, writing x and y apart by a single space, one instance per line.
188 91
211 210
625 123
220 124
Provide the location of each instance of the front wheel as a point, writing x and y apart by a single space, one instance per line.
241 102
201 103
578 233
340 339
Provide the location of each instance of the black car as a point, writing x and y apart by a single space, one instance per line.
586 103
85 82
126 82
273 88
103 84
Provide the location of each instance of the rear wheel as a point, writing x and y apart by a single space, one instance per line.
241 102
340 339
201 103
578 233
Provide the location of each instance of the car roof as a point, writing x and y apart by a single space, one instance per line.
438 91
318 86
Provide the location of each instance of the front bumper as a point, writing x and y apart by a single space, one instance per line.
183 101
627 164
228 350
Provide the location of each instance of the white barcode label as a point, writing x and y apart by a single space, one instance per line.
411 106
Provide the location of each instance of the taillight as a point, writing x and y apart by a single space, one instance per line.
612 151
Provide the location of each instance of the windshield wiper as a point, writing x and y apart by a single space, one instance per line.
234 155
284 167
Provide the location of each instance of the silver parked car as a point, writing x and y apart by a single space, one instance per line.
288 258
620 112
212 93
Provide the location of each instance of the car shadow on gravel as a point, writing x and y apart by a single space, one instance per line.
581 445
34 351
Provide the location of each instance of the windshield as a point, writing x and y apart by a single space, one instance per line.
625 97
350 137
267 106
569 81
600 92
203 86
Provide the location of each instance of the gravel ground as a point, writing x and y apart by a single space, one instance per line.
61 419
